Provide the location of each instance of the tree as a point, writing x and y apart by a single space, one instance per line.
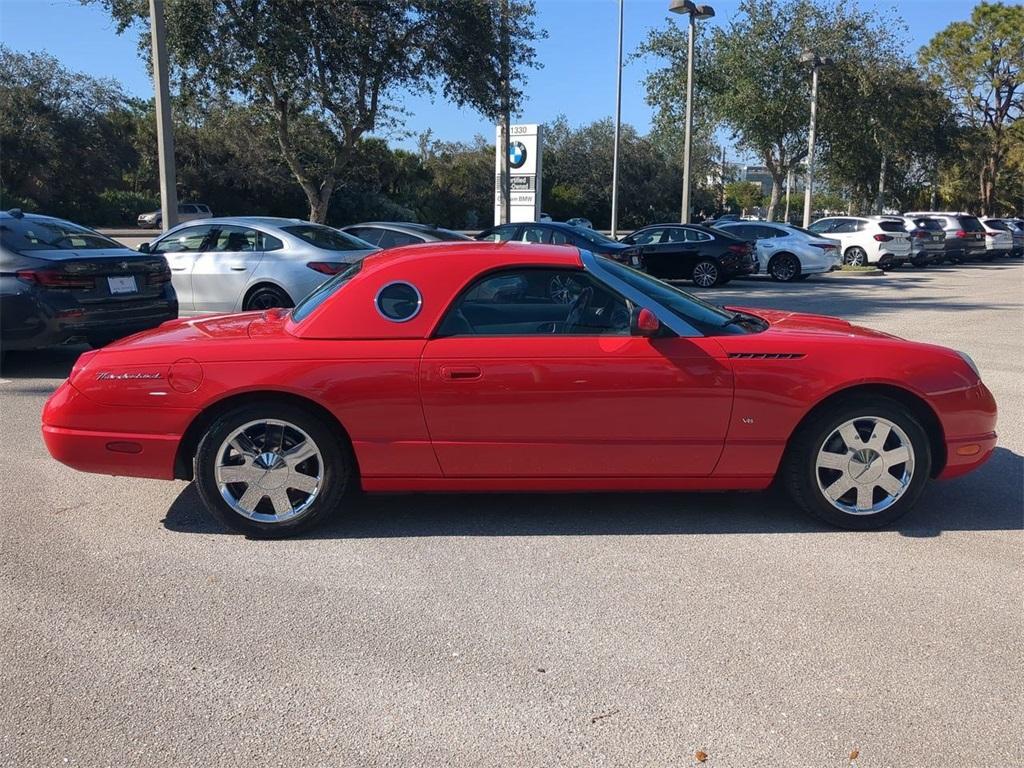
753 80
980 63
745 195
339 64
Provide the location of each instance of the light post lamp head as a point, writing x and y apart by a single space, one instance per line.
691 9
810 57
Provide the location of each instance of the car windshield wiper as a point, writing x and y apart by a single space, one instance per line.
740 318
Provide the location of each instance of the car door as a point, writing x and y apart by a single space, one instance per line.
223 268
501 234
510 390
660 256
181 248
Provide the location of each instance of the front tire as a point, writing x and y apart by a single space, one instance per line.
861 464
271 469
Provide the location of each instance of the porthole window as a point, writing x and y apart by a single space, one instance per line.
399 302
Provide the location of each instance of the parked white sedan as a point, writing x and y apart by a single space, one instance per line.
786 252
867 239
250 262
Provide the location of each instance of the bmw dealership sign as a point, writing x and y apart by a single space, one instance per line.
524 161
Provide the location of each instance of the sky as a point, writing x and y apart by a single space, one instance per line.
578 57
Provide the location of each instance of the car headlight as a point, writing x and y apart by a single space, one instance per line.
973 366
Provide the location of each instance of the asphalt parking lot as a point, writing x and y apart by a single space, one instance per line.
537 630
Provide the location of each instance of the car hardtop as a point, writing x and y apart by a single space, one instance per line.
437 271
712 231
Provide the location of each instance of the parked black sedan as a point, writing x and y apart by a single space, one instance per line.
706 256
557 233
61 282
391 234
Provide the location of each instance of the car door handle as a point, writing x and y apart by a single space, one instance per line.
237 267
460 372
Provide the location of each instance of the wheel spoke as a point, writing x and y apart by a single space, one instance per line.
252 496
879 435
839 487
299 453
243 445
282 504
303 482
865 497
850 436
890 484
241 473
896 456
829 460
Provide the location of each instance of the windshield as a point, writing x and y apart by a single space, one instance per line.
706 318
328 239
326 289
31 234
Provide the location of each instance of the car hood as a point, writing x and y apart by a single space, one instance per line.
783 322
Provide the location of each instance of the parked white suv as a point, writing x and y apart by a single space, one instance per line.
998 238
867 239
186 212
786 252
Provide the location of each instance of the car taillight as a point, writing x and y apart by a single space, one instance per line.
326 267
160 278
883 238
990 234
53 278
824 246
961 233
920 234
741 250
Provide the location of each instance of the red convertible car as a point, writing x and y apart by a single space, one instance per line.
511 367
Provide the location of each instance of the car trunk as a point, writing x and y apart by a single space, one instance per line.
93 276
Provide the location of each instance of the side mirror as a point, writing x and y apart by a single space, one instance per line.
143 248
644 323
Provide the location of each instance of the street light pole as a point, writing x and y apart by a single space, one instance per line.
164 126
618 121
506 119
816 63
694 12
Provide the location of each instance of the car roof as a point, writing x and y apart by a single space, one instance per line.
439 271
242 221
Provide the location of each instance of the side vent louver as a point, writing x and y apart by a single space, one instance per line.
766 355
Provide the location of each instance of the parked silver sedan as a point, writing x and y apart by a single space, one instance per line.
785 252
240 263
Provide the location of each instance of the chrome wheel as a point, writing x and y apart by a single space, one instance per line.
705 274
856 257
269 471
563 289
865 465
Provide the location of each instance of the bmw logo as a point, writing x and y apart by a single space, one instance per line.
516 154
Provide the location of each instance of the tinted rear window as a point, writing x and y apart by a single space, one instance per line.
932 225
892 226
1000 225
30 234
326 238
971 224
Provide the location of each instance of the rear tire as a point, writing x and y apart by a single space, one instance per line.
706 274
817 450
784 267
313 487
855 256
266 297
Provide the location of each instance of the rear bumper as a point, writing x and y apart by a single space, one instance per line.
113 453
30 319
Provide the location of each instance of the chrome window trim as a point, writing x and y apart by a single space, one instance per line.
419 301
668 318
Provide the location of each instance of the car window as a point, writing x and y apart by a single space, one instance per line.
203 208
844 226
187 209
537 302
371 235
533 234
391 238
234 239
932 225
559 238
696 236
325 238
501 234
648 237
327 289
971 224
892 226
822 225
744 231
30 234
186 240
996 224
